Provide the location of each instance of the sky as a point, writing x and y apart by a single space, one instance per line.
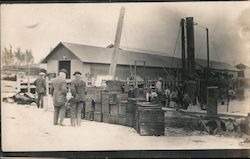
147 26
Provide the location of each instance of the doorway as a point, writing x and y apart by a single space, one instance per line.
65 65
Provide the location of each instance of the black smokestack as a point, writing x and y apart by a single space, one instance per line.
190 45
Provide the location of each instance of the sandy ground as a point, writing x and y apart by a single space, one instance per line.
26 128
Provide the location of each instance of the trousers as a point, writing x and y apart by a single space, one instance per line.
40 99
76 112
59 113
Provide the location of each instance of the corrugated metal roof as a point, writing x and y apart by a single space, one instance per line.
93 54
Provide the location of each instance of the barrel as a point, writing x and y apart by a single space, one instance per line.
149 119
212 96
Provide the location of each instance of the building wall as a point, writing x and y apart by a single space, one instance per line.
52 66
61 54
123 72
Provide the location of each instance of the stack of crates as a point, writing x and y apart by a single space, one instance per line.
111 107
93 104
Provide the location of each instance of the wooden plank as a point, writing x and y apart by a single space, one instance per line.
151 129
122 108
113 109
98 116
122 120
130 120
112 98
122 96
151 115
98 106
105 103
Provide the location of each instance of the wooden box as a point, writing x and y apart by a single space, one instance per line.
111 119
113 109
151 129
98 106
130 120
122 108
122 96
105 103
122 120
112 98
98 116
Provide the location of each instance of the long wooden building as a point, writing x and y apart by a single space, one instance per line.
96 61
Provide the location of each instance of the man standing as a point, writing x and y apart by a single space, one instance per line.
59 92
78 91
158 88
40 88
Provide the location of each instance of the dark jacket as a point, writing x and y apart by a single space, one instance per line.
59 91
78 90
40 85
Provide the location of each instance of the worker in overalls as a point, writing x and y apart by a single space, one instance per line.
59 92
78 91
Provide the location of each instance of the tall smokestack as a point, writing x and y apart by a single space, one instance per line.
190 45
183 49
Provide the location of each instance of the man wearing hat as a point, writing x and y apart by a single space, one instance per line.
40 88
78 91
59 92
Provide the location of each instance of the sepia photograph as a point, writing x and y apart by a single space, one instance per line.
125 76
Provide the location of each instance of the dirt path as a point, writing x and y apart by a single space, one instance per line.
28 128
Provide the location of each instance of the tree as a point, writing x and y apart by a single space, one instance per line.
29 57
7 55
18 56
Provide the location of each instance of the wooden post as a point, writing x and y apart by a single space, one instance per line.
190 45
212 96
183 56
207 58
114 59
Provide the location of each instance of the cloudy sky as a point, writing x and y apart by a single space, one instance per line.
147 26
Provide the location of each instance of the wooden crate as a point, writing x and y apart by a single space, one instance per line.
98 106
89 116
130 120
114 109
122 96
112 98
122 120
105 103
94 93
122 107
97 116
151 129
89 106
149 115
111 119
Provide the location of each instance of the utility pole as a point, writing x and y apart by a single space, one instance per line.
183 57
114 59
208 69
190 46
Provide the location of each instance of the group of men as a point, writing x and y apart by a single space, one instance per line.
175 98
75 95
